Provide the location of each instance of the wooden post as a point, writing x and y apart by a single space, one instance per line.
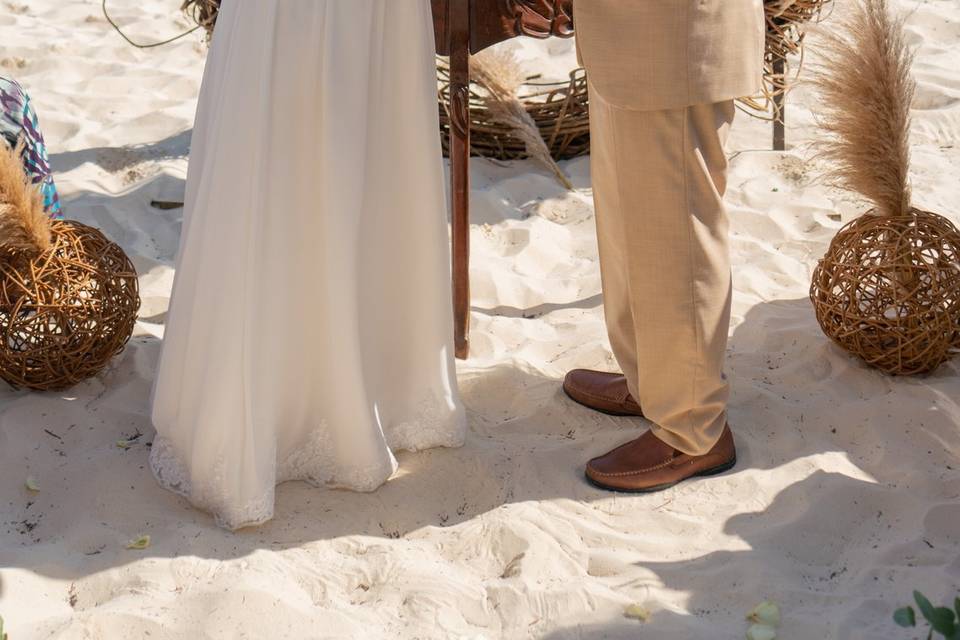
463 27
458 24
780 109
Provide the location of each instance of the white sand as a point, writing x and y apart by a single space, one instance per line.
846 498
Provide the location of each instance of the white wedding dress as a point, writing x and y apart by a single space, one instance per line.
309 334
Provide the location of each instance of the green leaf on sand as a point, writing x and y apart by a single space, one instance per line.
140 543
905 617
637 612
940 618
31 484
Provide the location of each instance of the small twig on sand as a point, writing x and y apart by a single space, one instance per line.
663 505
165 204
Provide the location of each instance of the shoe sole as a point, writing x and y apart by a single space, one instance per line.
608 412
723 468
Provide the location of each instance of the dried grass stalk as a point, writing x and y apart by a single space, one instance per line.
866 91
24 225
498 71
560 110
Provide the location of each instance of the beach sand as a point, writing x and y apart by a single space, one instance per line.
846 497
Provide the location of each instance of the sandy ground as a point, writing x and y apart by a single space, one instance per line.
846 498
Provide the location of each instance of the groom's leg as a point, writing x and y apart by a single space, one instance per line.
659 180
614 255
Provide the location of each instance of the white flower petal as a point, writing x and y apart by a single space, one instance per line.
761 632
766 613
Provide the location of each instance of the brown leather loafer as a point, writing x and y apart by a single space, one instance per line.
600 391
648 464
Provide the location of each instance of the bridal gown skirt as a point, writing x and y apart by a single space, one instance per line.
309 334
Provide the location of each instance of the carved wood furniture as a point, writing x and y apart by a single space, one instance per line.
465 27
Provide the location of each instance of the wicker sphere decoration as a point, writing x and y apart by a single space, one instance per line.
888 291
66 312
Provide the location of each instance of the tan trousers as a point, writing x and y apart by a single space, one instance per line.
659 179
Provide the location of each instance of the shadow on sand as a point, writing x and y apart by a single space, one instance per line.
844 546
798 402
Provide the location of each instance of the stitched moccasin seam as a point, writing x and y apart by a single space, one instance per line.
593 396
657 467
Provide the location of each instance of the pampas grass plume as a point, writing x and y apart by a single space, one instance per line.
866 91
499 72
24 225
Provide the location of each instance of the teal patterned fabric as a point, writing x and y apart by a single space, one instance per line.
18 121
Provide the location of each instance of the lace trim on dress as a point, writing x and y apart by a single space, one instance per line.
170 471
437 423
314 463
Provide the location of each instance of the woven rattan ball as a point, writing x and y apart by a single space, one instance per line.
65 313
888 291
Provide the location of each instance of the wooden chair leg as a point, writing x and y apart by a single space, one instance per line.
780 109
459 25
